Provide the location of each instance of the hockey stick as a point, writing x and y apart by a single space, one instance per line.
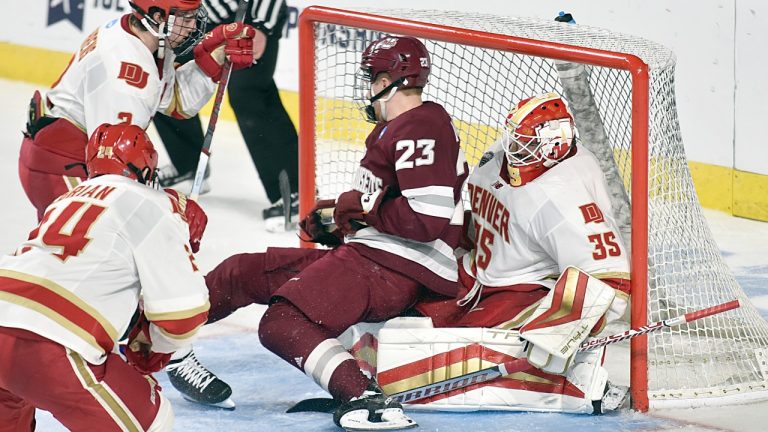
285 194
518 365
205 151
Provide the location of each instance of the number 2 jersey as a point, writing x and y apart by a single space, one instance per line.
529 234
115 78
417 157
99 249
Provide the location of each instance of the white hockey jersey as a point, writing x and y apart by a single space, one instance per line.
529 234
114 78
99 249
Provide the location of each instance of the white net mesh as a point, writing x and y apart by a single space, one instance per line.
717 356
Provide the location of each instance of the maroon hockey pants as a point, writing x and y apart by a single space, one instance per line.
315 296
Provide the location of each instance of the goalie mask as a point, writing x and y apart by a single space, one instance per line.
184 24
539 133
121 149
405 59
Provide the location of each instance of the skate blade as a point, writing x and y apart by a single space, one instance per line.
227 404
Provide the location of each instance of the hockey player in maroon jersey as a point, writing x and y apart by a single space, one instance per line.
397 228
74 289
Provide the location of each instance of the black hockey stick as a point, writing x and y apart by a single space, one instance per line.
285 194
522 364
205 151
323 405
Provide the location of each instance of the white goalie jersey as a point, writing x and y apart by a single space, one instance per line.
114 78
100 248
529 234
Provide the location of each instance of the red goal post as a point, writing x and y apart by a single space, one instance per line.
330 41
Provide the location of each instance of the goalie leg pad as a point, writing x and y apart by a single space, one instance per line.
410 357
564 319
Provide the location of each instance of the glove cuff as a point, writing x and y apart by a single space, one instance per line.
368 201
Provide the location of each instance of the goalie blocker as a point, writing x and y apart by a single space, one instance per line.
409 353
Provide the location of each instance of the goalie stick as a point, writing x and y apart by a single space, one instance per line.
205 151
517 365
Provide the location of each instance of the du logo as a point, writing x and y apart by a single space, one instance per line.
71 10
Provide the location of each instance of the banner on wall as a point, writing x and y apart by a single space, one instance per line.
706 58
66 10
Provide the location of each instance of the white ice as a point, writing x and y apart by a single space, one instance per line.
264 386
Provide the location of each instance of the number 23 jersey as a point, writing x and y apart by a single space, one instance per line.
417 158
530 233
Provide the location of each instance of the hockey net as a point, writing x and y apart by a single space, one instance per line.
621 89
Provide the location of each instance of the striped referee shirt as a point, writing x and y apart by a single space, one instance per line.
262 14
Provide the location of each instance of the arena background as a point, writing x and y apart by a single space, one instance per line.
720 84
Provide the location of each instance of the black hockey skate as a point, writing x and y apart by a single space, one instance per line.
198 384
372 411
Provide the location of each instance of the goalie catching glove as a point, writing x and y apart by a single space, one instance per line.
192 214
139 352
564 319
233 42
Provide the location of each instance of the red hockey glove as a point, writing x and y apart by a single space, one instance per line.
192 213
316 230
139 352
227 41
355 210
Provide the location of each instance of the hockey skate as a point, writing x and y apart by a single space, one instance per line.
373 411
169 177
274 216
198 384
614 398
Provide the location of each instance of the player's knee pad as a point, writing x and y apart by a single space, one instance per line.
164 419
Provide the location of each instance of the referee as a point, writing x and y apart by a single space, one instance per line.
266 127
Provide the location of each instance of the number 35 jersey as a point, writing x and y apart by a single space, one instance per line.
529 234
99 249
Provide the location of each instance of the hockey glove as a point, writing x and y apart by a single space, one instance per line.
192 214
227 41
139 352
315 229
356 210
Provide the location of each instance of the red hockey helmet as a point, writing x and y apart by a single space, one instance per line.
539 133
539 129
141 7
402 57
121 149
176 15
